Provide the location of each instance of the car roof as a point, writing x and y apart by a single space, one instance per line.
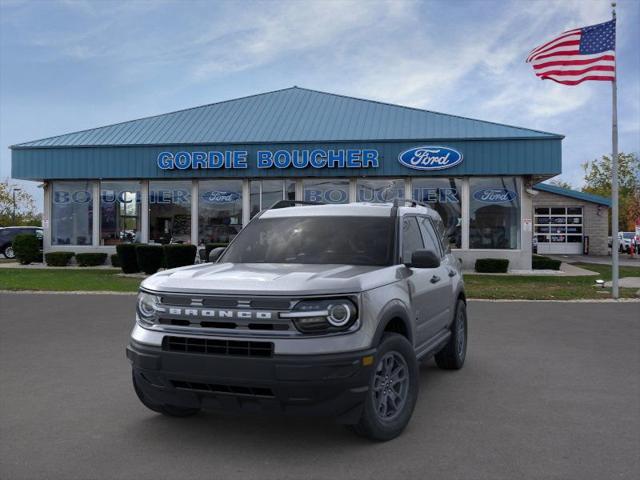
21 226
356 209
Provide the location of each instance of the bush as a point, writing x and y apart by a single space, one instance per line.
545 263
149 258
115 260
90 259
177 255
58 259
27 248
492 265
128 258
210 246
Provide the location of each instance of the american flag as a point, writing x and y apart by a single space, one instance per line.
587 53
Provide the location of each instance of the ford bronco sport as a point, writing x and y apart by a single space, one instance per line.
313 310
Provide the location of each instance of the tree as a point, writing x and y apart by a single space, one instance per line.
558 182
597 179
25 207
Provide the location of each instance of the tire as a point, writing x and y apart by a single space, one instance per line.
452 356
382 419
168 410
8 252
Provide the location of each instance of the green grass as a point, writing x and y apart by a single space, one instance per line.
478 286
547 287
62 280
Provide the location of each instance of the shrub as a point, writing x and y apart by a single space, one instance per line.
545 263
27 248
210 246
149 258
128 258
58 259
115 260
90 259
177 255
492 265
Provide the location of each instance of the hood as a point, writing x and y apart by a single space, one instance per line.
271 279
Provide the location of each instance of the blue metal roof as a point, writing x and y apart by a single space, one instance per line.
565 192
291 115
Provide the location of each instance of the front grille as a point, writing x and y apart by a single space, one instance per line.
229 389
218 347
267 303
282 325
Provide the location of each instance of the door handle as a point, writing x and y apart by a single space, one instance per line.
435 279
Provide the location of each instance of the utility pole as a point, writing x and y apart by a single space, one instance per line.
614 178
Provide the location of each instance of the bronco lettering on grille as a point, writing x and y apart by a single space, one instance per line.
216 313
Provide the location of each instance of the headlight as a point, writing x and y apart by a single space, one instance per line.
323 316
146 307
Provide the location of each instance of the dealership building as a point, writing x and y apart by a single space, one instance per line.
198 175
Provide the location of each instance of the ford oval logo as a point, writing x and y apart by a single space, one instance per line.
495 195
220 197
430 158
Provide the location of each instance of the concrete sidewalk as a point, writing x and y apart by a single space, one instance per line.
624 259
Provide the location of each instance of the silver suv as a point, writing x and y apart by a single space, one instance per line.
313 310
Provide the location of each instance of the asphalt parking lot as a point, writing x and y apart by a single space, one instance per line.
550 390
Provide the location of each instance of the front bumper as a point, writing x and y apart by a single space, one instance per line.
332 385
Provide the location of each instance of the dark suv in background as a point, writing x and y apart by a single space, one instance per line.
7 234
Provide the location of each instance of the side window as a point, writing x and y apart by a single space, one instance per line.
430 238
411 238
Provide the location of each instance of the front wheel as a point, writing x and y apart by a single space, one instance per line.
452 356
393 390
169 410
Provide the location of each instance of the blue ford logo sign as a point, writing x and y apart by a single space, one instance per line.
495 195
219 197
430 158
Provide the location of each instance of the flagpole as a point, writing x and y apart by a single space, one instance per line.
614 177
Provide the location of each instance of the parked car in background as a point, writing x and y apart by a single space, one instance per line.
7 234
625 240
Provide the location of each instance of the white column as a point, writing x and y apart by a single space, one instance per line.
299 189
465 213
46 216
95 241
246 201
353 194
408 188
144 211
526 237
194 212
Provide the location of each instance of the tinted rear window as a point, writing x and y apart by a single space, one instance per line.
315 240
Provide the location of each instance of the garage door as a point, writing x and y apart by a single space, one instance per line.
558 229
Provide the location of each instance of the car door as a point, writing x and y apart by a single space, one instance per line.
422 283
442 302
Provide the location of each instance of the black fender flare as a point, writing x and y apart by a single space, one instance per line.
394 309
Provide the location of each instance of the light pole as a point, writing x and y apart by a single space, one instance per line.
14 203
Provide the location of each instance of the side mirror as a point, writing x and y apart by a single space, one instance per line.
214 255
424 259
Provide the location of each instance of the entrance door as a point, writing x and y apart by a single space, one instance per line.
559 230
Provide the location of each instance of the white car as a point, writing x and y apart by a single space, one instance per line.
625 239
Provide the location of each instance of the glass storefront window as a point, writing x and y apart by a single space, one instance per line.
444 196
220 210
290 189
170 212
494 213
326 190
119 212
265 193
72 213
379 190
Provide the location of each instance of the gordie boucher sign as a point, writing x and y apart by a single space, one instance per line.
417 158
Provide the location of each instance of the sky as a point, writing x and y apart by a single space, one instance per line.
72 65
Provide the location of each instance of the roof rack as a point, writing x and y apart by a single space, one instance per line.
292 203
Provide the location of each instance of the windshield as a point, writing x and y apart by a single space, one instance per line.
318 240
628 234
